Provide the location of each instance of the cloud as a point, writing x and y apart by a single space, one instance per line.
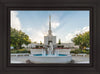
72 35
15 22
55 24
38 36
34 34
54 21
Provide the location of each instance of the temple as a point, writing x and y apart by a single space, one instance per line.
49 38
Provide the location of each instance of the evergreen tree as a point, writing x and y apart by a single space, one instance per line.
40 42
59 41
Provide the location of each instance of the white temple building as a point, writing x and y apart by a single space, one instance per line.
50 38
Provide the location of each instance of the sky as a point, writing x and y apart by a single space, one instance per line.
64 24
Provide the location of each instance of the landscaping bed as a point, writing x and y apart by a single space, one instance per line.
77 51
20 51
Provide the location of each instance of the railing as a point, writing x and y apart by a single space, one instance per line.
20 54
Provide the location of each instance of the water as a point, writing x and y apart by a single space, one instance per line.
50 52
48 55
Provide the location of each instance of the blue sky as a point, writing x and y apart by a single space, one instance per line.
65 24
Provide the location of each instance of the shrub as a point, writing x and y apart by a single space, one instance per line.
20 51
87 52
72 51
79 51
76 51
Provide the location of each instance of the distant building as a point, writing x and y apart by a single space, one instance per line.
50 38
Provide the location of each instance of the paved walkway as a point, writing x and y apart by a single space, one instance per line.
22 59
81 59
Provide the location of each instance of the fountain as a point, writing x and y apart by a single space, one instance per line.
50 57
49 54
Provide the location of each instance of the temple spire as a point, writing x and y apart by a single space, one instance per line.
49 22
50 32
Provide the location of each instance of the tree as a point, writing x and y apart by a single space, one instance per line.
59 41
40 42
18 38
35 42
82 40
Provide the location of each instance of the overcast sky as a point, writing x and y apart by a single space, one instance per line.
65 24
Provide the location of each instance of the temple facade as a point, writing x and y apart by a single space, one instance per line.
49 38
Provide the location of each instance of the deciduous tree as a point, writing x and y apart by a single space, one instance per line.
82 40
17 38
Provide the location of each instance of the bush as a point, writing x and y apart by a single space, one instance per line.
72 51
20 51
76 51
79 51
87 52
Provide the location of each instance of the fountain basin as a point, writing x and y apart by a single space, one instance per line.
51 59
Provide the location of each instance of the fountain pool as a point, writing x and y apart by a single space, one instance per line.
61 58
50 57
